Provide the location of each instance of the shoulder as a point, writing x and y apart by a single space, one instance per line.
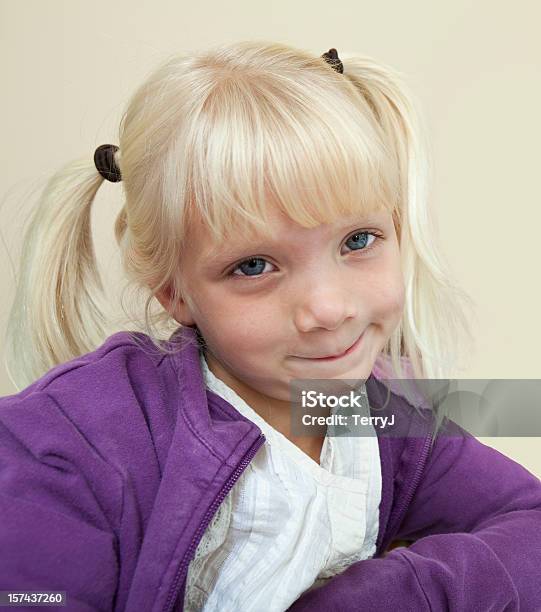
115 354
107 380
98 414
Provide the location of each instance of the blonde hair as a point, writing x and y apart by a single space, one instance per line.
222 135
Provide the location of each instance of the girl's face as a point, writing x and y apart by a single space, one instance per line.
266 309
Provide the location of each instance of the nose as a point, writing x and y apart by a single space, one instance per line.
324 303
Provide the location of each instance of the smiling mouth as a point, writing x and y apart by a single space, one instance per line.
340 355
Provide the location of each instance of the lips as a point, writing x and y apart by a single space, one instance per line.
337 355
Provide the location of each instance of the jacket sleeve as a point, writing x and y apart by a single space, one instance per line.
475 519
54 533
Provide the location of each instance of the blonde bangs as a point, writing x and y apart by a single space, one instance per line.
314 152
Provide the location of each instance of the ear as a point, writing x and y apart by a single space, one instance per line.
182 312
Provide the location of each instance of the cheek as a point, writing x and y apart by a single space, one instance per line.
239 324
390 283
388 298
397 294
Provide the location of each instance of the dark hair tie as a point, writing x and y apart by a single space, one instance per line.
331 57
104 160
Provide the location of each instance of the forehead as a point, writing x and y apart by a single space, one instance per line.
280 231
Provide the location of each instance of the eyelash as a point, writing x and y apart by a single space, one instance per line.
377 235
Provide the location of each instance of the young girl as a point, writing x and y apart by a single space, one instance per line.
276 207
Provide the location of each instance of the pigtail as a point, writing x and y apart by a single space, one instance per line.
55 315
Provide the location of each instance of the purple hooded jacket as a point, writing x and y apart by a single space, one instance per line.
113 464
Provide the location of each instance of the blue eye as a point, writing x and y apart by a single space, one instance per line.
254 266
360 238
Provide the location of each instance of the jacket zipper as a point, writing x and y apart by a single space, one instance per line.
415 480
207 518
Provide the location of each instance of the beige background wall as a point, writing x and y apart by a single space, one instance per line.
68 68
